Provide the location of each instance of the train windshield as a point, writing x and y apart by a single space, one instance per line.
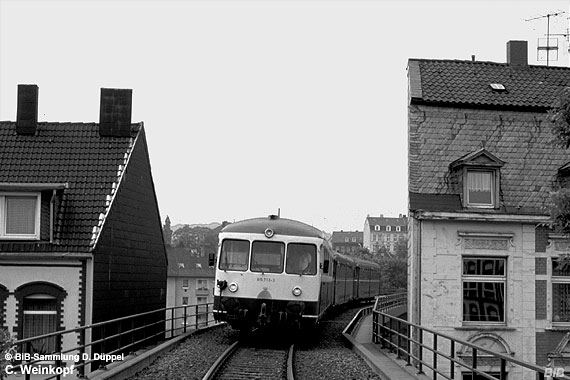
267 257
301 259
235 255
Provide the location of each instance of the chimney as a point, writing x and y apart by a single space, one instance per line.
27 115
517 53
115 112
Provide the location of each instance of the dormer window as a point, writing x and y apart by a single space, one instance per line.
376 228
479 174
20 215
480 188
388 228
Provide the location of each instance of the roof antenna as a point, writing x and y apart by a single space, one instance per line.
547 47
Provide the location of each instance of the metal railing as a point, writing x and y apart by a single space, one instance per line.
99 342
446 356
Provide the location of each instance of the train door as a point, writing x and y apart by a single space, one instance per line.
357 283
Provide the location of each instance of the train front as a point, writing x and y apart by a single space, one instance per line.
268 273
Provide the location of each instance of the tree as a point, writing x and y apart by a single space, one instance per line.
559 117
6 346
167 232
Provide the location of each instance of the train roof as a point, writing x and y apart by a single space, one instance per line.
279 226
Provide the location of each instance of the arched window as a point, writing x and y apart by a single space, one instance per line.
40 306
376 228
388 228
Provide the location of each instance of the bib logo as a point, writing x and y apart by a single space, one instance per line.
554 372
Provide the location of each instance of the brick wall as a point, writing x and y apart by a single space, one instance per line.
540 299
130 258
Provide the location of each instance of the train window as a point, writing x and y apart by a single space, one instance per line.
267 256
301 259
235 255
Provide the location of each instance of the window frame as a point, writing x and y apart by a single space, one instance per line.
481 278
3 216
494 187
556 279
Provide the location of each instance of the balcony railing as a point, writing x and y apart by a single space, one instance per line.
116 337
436 354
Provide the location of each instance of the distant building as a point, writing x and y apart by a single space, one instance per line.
347 241
80 231
482 164
382 234
190 282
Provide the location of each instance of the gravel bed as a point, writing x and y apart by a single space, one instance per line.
328 358
192 358
322 356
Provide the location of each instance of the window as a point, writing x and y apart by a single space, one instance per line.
354 240
235 255
376 228
480 188
184 300
202 284
267 256
40 317
346 239
201 311
398 228
185 283
388 228
302 258
20 216
560 292
484 280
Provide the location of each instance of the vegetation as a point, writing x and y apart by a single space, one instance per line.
559 117
394 269
6 346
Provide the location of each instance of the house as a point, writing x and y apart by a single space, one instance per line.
80 232
382 234
482 261
346 241
190 282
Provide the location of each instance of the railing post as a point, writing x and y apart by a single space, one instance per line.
434 356
398 340
452 355
81 369
473 362
503 369
196 317
185 317
408 344
172 320
420 351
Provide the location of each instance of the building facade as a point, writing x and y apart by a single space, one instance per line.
190 283
383 234
80 232
482 165
347 241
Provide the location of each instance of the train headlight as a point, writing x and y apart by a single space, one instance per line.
297 291
233 287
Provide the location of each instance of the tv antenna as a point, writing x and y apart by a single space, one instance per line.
547 16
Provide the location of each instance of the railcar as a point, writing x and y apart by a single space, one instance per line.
284 272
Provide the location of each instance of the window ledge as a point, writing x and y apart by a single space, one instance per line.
564 328
485 328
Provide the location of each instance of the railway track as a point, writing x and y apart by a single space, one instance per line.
241 361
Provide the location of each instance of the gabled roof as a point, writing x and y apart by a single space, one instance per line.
480 157
458 112
73 154
468 83
338 236
183 263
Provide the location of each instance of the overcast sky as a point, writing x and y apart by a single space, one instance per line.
255 106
